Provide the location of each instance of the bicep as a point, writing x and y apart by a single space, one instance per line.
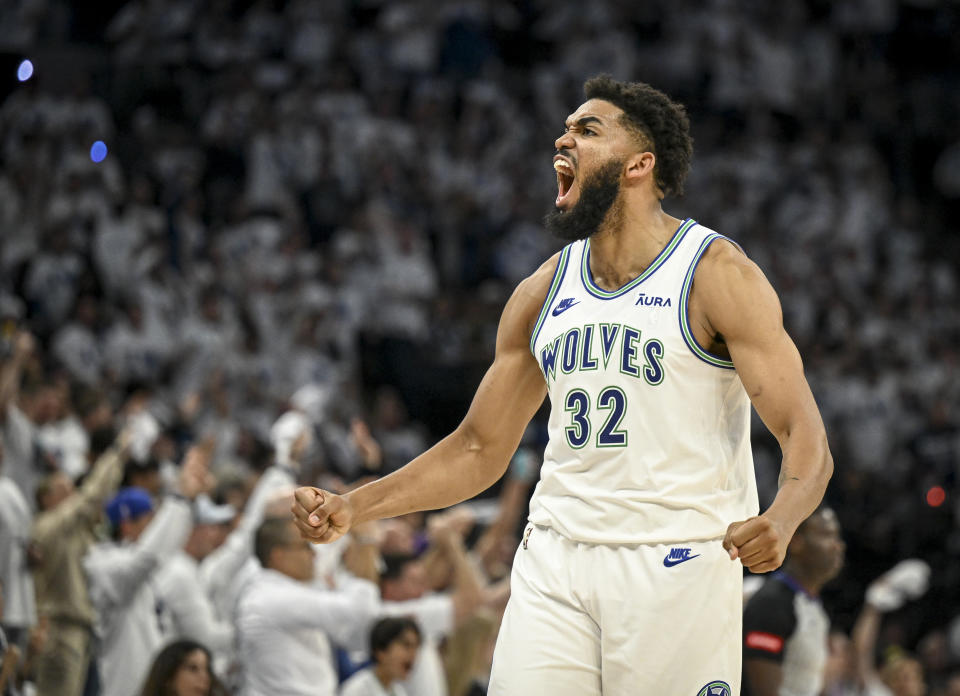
745 309
508 396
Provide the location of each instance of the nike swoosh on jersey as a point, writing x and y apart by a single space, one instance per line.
564 305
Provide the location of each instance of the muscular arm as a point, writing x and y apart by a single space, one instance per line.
738 304
473 456
476 454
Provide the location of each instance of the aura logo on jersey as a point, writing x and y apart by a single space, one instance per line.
651 301
715 688
617 346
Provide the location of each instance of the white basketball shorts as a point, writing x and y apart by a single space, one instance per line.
643 620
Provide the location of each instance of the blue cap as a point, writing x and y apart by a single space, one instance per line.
128 504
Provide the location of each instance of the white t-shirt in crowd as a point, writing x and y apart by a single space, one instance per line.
365 683
20 607
284 628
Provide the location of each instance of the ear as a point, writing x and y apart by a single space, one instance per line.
640 165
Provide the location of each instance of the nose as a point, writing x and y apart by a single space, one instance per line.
565 142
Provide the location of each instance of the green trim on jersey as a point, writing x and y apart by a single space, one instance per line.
664 254
684 314
554 286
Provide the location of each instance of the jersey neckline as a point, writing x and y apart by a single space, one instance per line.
596 291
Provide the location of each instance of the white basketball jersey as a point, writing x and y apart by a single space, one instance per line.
649 433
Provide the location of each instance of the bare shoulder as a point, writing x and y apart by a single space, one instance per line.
724 260
732 291
523 307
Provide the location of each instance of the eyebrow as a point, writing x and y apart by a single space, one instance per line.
585 120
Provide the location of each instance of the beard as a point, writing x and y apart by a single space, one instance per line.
598 193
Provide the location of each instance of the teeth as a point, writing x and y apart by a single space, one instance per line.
560 165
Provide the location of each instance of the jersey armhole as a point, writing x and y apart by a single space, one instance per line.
558 274
684 312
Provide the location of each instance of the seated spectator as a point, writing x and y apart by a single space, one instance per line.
285 621
393 648
121 574
183 668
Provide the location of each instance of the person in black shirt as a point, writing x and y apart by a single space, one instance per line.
785 628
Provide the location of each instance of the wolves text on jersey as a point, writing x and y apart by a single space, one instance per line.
615 346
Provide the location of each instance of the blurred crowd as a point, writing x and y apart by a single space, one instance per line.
289 267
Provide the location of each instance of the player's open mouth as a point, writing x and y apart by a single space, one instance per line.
565 178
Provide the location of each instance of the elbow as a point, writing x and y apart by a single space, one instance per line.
488 454
826 467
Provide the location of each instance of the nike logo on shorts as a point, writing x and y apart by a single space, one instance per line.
677 556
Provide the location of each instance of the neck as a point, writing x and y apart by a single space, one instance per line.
628 242
192 549
380 672
807 581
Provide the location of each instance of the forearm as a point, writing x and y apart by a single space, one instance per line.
455 469
103 481
864 635
467 586
168 531
99 485
513 500
804 473
10 375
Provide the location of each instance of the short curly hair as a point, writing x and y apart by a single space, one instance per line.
656 120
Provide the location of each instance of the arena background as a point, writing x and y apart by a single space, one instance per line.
344 194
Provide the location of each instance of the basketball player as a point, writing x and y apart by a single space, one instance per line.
651 335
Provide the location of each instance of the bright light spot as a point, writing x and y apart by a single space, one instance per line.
99 151
936 496
25 71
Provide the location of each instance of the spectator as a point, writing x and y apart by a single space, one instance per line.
286 621
18 667
182 668
18 413
122 573
180 587
15 556
406 591
785 628
62 534
145 475
9 659
393 648
228 569
901 674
